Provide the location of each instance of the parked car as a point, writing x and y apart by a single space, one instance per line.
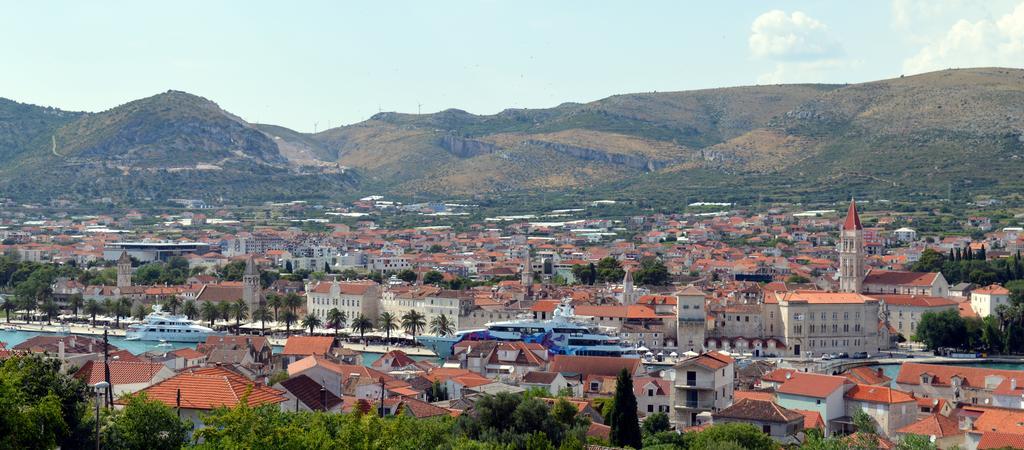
826 357
860 355
843 355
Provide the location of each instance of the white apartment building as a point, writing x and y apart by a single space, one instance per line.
703 383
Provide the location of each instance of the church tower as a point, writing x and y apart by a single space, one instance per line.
527 274
124 270
851 252
251 285
627 288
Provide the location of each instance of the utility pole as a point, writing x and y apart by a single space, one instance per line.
382 397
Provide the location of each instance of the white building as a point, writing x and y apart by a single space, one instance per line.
703 383
350 297
984 301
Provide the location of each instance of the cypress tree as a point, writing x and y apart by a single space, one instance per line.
958 254
968 255
981 253
624 421
951 255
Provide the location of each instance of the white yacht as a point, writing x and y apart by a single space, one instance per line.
162 326
564 334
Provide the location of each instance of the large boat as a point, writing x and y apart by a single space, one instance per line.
162 326
564 334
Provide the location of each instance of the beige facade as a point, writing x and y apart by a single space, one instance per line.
815 322
702 383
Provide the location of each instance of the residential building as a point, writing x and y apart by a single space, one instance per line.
822 394
986 301
703 384
781 424
889 408
904 311
968 385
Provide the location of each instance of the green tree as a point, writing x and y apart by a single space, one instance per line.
289 318
11 304
139 311
413 322
745 435
76 301
652 272
262 314
311 321
240 312
189 309
51 309
172 303
433 277
624 421
42 407
293 302
210 312
609 270
387 322
275 302
361 324
797 279
336 319
941 329
929 261
441 326
656 423
407 275
145 424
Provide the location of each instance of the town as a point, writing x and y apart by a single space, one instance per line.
865 325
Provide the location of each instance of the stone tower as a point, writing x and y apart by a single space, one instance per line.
527 279
628 298
691 320
124 270
251 285
851 252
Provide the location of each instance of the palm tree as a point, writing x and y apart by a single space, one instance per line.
29 304
210 312
75 302
189 309
8 306
261 314
311 321
241 311
92 307
293 302
441 326
288 318
108 307
172 302
274 301
413 323
51 309
224 308
140 311
336 319
362 324
387 322
123 308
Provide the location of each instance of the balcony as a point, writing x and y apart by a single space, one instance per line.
696 404
705 385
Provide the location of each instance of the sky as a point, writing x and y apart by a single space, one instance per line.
312 65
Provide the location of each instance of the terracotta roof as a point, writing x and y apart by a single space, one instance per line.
711 360
121 372
421 409
936 425
308 392
877 394
397 359
852 218
822 297
760 410
308 345
539 377
753 395
187 353
219 293
867 375
910 373
924 301
892 277
210 388
992 289
593 365
812 419
345 287
599 431
992 439
812 384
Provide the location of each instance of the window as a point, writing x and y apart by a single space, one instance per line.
650 408
767 429
817 401
650 392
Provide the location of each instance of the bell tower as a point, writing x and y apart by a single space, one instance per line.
251 284
124 270
851 252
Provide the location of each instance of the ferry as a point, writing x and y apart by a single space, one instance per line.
164 327
564 334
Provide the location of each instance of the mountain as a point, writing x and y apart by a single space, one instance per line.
949 133
169 145
933 134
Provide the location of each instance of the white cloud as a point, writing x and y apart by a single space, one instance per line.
792 37
998 42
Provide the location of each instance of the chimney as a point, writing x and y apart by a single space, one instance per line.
1013 384
60 349
880 372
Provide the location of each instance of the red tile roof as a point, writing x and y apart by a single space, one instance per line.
936 425
867 375
992 289
121 372
877 394
812 419
812 384
210 388
992 440
924 301
308 345
891 277
910 373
